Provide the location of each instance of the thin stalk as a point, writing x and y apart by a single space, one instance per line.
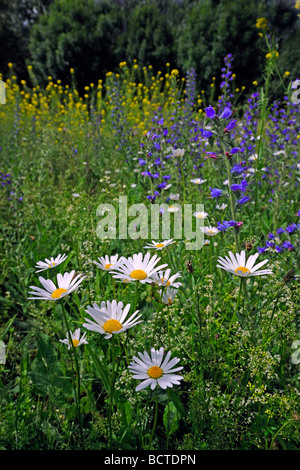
231 199
111 392
136 295
77 392
235 311
155 417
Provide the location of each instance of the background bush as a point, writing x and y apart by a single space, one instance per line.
93 37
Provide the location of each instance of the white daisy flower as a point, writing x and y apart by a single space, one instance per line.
108 263
75 337
238 266
198 181
173 208
200 215
163 279
154 371
221 207
159 245
178 152
168 295
209 231
137 268
110 318
50 263
67 283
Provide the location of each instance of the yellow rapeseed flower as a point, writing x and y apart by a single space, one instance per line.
272 54
262 23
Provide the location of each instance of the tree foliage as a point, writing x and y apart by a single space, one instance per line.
93 36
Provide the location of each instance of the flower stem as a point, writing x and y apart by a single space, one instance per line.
231 200
111 394
77 388
155 418
235 311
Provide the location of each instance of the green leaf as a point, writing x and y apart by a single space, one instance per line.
171 418
101 367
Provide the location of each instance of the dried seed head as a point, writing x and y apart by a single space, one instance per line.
189 266
289 276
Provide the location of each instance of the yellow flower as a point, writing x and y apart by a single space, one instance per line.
287 73
262 23
255 83
297 5
272 54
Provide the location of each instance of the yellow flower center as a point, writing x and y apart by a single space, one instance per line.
107 266
53 264
210 231
138 274
243 269
58 293
164 280
200 216
155 372
75 342
159 245
112 325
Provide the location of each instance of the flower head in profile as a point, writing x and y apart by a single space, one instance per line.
67 283
164 278
209 231
159 245
221 207
200 215
155 371
50 263
210 112
226 113
107 263
237 265
198 181
173 208
110 318
216 192
75 339
168 295
137 268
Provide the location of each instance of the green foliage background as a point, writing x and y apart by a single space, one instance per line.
94 36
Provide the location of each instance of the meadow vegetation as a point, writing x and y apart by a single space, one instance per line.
232 325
